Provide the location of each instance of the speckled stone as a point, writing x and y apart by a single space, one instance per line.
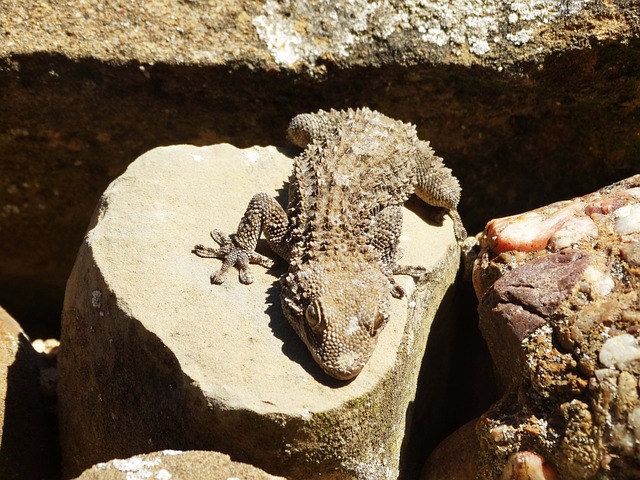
562 321
176 465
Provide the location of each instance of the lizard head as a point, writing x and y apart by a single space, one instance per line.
338 312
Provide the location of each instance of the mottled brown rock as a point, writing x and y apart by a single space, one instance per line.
562 321
176 465
540 285
153 356
520 302
27 441
631 254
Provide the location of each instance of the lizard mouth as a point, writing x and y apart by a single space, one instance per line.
343 367
342 374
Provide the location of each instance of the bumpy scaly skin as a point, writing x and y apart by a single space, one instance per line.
341 228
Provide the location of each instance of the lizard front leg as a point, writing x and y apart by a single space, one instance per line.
263 215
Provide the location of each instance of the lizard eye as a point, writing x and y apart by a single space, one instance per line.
313 316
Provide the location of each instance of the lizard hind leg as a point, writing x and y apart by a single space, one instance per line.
436 185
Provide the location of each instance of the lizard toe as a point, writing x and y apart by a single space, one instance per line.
217 278
246 276
261 260
220 237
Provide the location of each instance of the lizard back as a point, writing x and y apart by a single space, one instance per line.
344 178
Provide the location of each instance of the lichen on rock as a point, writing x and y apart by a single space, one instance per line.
298 31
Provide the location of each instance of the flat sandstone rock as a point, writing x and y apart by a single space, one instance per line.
153 356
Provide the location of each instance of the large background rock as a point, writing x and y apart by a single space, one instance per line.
529 102
153 356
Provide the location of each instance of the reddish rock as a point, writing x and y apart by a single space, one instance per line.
520 302
455 458
560 310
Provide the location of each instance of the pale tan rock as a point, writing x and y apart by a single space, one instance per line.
27 448
153 356
176 465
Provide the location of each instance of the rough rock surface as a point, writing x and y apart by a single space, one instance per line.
88 86
300 35
26 435
560 310
153 356
176 465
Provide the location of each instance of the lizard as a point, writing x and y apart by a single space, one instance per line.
340 230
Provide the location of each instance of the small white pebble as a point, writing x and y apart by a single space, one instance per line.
134 464
172 452
197 158
634 192
96 299
620 351
163 474
601 284
38 345
627 219
573 231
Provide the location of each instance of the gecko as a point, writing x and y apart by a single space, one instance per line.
341 229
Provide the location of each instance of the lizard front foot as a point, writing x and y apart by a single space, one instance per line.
232 255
